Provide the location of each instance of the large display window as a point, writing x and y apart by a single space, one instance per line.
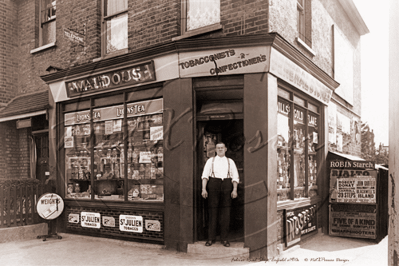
115 152
297 140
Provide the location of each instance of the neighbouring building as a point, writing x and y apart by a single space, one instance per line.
128 98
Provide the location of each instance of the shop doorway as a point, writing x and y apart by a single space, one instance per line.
210 133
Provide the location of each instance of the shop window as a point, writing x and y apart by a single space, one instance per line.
298 138
101 159
47 20
200 14
304 21
114 27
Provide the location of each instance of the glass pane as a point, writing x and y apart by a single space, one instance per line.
77 155
313 141
202 13
48 9
145 158
117 33
48 32
299 138
108 154
283 150
115 6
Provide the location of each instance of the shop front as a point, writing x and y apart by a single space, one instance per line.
134 132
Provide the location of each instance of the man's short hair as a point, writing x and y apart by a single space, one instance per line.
220 142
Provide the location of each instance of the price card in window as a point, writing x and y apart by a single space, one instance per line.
109 127
145 157
156 133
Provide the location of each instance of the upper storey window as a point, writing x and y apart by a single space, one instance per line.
47 22
114 26
202 13
304 22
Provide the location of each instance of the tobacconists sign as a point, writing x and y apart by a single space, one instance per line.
299 222
141 73
354 185
353 220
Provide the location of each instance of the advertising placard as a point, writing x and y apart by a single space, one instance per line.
50 206
153 225
130 223
353 220
300 222
90 219
353 186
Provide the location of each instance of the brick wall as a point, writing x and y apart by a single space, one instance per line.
115 231
9 161
8 42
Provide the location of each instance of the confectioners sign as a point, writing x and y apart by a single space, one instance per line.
224 61
284 68
131 223
115 112
132 75
300 222
353 220
50 206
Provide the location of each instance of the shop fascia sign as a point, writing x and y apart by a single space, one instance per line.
224 61
136 74
115 112
287 70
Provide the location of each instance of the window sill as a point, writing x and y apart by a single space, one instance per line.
304 45
198 31
113 54
41 48
297 203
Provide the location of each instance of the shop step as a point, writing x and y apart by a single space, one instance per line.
236 250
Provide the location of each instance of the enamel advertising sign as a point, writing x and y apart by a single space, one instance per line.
131 223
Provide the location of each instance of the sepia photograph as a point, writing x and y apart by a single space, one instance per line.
199 132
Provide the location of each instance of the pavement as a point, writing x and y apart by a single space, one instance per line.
83 250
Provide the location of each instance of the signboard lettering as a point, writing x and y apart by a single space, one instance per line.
90 219
114 112
286 69
74 36
127 76
130 223
352 164
224 61
49 206
300 222
353 221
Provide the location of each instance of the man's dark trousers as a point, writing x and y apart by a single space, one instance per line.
219 199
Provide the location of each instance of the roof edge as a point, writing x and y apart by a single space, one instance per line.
354 15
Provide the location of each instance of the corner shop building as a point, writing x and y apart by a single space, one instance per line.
131 135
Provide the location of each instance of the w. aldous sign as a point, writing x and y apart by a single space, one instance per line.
122 77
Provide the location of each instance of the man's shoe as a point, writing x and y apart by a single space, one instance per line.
226 243
209 243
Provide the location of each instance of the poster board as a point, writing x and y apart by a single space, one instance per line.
353 220
353 186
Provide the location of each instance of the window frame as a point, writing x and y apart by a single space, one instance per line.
104 20
188 33
41 23
304 24
290 96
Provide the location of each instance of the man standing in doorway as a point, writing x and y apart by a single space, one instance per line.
221 176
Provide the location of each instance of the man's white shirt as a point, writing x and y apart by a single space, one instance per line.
220 168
